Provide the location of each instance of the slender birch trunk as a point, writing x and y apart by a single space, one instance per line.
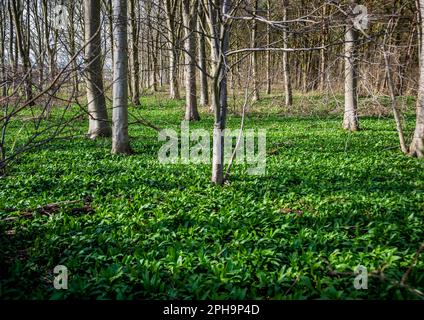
350 121
120 138
219 42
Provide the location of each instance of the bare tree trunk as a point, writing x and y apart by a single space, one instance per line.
189 20
130 83
204 94
11 39
135 65
174 91
110 23
323 58
268 53
396 114
120 138
148 60
286 67
407 60
155 54
39 43
350 121
416 148
72 45
171 7
161 66
3 74
22 46
255 75
219 41
98 120
50 48
4 82
419 29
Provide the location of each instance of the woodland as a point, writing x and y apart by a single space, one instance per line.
309 118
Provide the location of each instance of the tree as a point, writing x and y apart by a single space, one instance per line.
98 120
22 44
416 148
268 53
171 8
109 12
204 94
135 65
120 138
50 32
2 51
189 20
324 40
255 74
219 43
286 66
350 121
72 42
3 76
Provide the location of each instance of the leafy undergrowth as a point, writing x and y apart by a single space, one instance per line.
131 228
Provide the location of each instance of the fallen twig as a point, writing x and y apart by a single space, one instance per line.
414 262
49 209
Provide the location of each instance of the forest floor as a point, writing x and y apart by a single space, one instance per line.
132 228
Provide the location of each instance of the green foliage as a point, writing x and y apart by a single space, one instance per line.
330 201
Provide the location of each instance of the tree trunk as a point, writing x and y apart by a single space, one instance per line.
219 32
171 9
323 56
72 46
189 20
417 144
135 65
3 75
98 120
204 95
110 23
394 102
120 138
11 41
268 53
286 67
420 29
50 48
350 121
174 92
255 74
22 47
155 54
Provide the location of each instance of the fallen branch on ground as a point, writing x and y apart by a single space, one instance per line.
50 209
